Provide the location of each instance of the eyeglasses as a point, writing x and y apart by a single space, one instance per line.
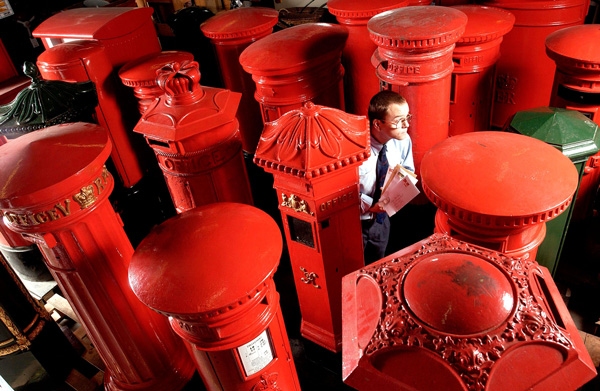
405 120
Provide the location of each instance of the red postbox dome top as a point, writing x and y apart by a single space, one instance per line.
484 23
498 179
458 294
301 47
245 22
313 141
576 47
417 27
143 71
208 259
360 9
42 166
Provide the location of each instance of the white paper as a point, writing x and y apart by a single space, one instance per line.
399 190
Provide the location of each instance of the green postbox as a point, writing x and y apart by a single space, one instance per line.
578 138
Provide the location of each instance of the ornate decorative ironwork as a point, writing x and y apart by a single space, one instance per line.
296 203
309 278
268 382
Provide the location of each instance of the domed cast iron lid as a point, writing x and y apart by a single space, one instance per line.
360 9
45 103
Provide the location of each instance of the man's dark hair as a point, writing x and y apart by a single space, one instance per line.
380 102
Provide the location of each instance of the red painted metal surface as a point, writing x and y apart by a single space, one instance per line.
125 32
141 74
313 154
230 33
55 190
195 136
475 57
443 314
296 65
498 189
414 58
87 60
524 72
361 81
576 52
210 270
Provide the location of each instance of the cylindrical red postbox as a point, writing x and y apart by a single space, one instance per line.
210 270
498 189
313 154
443 314
360 79
230 33
195 136
296 65
414 58
474 73
576 53
524 72
55 193
141 75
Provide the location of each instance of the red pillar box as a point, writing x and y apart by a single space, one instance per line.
524 72
497 189
296 65
55 193
141 75
313 154
210 270
125 32
576 53
443 314
414 58
79 61
195 136
475 57
230 33
361 81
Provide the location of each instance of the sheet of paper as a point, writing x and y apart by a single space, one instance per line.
399 189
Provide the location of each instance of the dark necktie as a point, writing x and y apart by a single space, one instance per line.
381 171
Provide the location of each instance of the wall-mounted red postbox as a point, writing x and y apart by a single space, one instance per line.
296 65
414 58
498 189
474 74
524 72
141 75
195 135
55 193
444 314
125 32
576 52
210 269
230 33
314 154
360 80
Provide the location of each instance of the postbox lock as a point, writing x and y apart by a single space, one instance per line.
309 277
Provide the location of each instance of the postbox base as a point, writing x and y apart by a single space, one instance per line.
321 337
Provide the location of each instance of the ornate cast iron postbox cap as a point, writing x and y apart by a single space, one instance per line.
306 46
417 27
575 47
360 9
498 179
313 141
143 71
445 314
240 24
484 23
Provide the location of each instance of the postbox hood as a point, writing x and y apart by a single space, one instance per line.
575 47
360 9
313 141
485 23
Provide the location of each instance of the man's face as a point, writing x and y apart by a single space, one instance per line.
396 122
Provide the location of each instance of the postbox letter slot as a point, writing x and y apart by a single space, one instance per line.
551 304
158 143
580 97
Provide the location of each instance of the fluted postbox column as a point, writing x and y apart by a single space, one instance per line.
296 65
360 79
210 270
524 72
140 75
576 52
195 136
498 189
314 154
475 57
230 33
443 314
414 58
55 193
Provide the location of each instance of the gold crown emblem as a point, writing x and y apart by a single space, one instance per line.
85 198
